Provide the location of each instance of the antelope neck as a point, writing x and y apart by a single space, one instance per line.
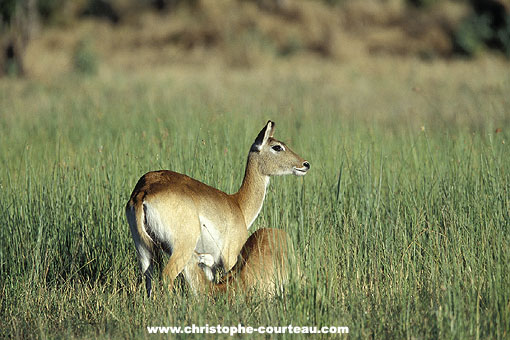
250 196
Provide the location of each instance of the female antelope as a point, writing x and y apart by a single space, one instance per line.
190 220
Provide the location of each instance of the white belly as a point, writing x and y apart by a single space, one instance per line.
210 240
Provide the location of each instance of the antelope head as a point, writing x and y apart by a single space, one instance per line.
274 157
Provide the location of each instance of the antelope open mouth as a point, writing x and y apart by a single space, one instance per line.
300 171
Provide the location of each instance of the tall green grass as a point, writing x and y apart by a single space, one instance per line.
400 231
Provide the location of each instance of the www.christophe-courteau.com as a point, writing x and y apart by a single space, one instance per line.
240 329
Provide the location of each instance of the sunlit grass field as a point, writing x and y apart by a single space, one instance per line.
401 227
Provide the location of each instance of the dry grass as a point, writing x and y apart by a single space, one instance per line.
400 232
243 34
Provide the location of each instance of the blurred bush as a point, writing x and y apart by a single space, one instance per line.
503 36
487 26
85 59
423 3
101 9
472 33
172 4
335 2
48 9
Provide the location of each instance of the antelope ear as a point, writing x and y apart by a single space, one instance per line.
263 136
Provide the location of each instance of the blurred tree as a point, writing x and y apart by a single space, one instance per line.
19 22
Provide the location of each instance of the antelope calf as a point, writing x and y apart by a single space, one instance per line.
194 222
263 264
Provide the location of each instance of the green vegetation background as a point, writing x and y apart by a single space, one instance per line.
401 227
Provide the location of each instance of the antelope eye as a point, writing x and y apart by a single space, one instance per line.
277 148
